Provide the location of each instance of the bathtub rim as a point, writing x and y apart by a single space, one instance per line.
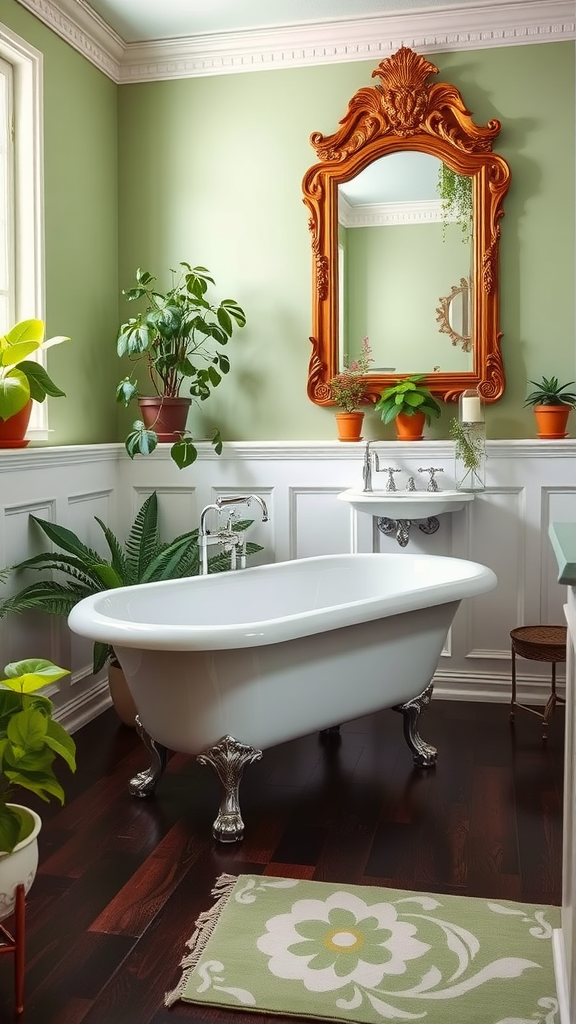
85 619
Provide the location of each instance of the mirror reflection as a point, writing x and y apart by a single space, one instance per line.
398 252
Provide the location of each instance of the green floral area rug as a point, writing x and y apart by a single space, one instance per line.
359 953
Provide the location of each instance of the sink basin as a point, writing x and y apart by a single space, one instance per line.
406 504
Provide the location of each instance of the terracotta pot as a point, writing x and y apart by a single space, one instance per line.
122 699
410 428
167 416
13 429
19 867
349 425
551 420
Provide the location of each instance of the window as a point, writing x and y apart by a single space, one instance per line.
21 192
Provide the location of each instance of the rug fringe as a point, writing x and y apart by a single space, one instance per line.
205 925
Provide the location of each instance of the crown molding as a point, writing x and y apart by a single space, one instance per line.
483 26
79 25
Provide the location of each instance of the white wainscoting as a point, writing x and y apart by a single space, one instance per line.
529 485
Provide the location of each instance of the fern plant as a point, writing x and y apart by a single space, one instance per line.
81 571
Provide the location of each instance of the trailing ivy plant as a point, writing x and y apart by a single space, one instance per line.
455 191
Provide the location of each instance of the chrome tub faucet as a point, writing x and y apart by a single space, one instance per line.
232 541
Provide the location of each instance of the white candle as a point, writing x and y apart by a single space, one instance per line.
472 411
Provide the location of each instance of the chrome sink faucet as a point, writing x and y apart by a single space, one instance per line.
371 463
432 483
232 541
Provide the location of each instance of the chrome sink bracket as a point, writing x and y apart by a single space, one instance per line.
144 783
228 758
401 527
423 754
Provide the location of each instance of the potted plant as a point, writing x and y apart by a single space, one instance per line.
348 390
410 405
30 742
552 404
23 380
80 572
176 338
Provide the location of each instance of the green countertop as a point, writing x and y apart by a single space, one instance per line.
563 538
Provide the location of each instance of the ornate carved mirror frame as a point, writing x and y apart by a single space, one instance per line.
406 112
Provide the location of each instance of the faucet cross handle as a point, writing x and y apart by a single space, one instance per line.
432 484
390 485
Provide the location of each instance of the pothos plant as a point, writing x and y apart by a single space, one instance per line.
30 742
456 197
177 338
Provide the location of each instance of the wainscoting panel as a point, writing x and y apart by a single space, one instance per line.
529 484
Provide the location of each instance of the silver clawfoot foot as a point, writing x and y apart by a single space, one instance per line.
145 782
423 754
228 758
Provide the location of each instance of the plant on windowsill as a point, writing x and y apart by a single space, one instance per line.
80 572
22 380
30 742
176 339
410 404
348 390
552 404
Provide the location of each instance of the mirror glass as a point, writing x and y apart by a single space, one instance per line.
394 241
405 206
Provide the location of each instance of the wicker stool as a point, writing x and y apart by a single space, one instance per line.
538 643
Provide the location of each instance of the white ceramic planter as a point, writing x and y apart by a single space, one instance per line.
19 866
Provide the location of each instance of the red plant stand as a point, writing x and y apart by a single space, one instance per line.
15 944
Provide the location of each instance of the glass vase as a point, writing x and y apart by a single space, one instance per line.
469 434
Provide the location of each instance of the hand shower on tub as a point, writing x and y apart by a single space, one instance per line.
230 539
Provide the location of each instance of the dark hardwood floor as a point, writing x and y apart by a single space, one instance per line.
121 880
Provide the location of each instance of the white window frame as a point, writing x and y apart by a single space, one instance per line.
28 270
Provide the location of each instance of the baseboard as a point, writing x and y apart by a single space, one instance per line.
81 710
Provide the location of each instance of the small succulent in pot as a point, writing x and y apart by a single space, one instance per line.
549 392
407 397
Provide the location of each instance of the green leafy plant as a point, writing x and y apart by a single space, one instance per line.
22 379
349 388
176 339
144 558
455 191
407 396
30 742
549 392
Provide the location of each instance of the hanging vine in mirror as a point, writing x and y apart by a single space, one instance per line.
357 236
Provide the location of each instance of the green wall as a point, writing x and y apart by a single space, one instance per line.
209 170
81 233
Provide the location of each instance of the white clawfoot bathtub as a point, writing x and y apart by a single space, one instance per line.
225 665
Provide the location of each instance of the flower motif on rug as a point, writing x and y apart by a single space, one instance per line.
326 944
